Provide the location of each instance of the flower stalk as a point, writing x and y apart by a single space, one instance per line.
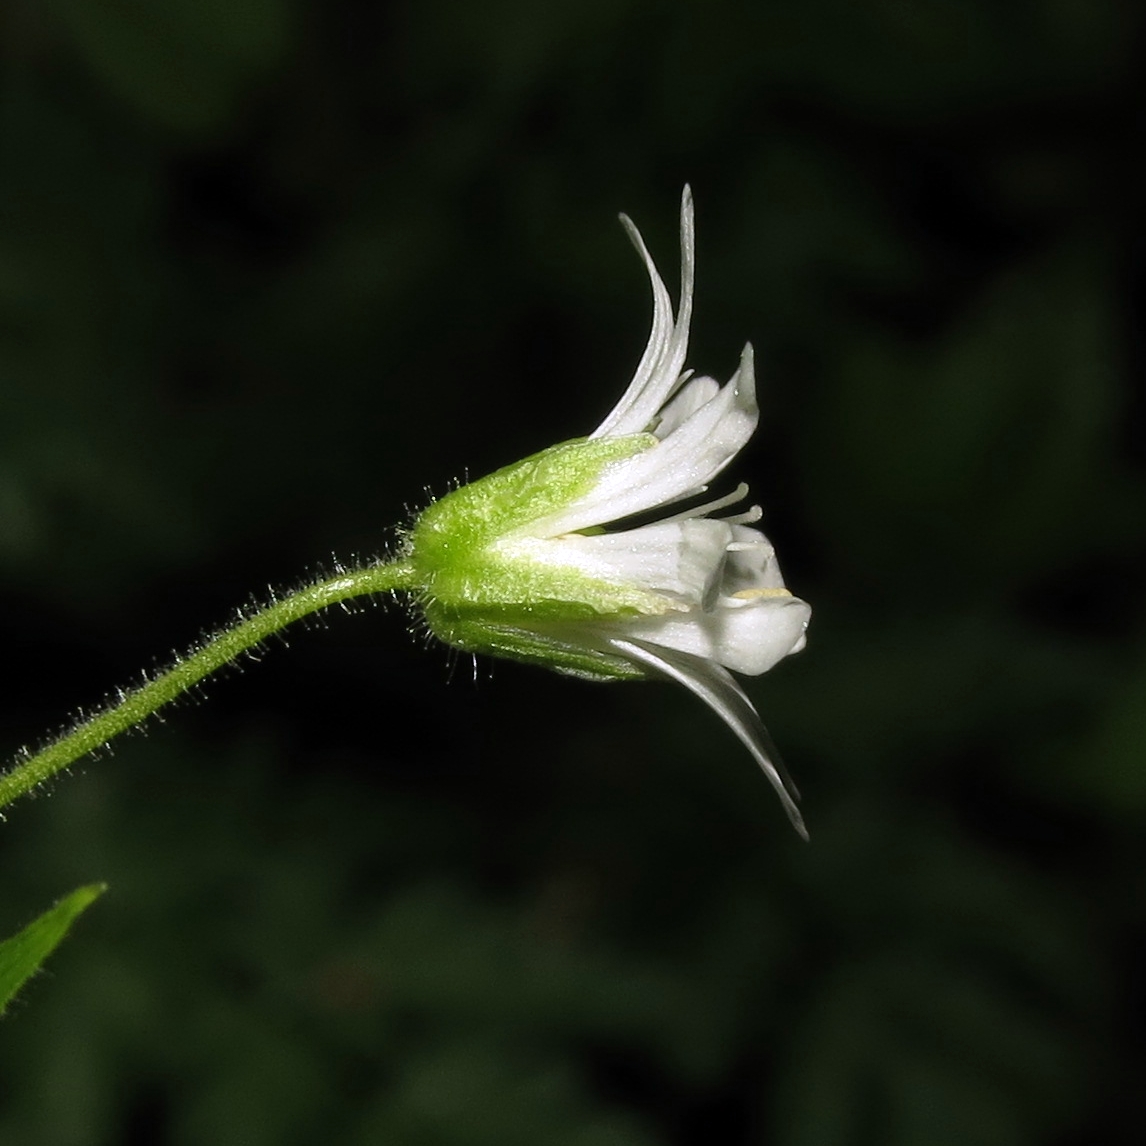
131 706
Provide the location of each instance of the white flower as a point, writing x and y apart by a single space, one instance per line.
520 563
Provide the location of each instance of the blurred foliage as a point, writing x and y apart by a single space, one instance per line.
269 272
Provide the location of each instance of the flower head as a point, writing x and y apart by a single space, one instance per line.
541 562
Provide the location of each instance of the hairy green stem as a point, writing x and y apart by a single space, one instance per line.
136 704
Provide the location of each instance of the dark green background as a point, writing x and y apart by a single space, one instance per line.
270 272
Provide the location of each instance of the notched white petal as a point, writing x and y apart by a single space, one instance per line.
697 451
727 699
683 560
690 399
654 353
749 635
659 371
678 347
752 561
680 466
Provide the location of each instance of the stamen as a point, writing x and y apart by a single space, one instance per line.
738 494
748 517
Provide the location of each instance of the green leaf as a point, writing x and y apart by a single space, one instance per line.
21 956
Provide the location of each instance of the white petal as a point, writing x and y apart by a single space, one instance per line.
659 370
726 698
752 562
680 466
659 337
683 559
705 442
690 399
747 635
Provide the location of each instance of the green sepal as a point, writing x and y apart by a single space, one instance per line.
479 595
476 515
554 645
22 955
